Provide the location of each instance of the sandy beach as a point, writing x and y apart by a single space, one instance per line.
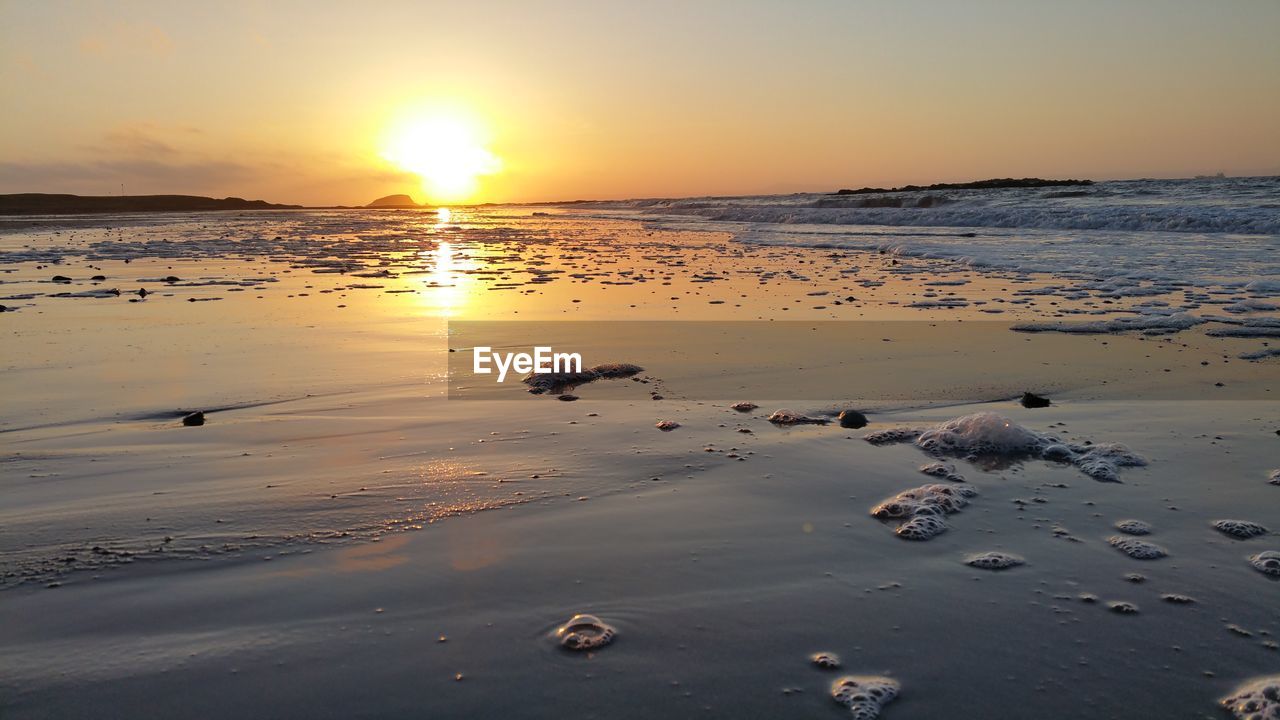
361 528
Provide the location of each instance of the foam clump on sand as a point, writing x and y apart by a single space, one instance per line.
791 417
1149 324
994 560
983 433
988 434
1255 700
744 406
667 425
942 470
922 527
1239 529
922 509
865 695
1137 549
555 382
1274 478
1133 527
585 632
1102 462
1266 562
825 660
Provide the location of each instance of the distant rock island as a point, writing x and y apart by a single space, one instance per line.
50 204
992 184
394 201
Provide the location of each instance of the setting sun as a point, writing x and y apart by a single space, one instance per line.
447 151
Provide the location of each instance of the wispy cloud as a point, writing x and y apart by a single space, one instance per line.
141 141
139 176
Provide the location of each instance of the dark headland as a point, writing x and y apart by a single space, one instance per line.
394 201
992 184
52 204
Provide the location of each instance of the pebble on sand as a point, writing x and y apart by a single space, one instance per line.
1031 400
852 419
194 419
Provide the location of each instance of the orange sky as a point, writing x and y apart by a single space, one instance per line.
285 102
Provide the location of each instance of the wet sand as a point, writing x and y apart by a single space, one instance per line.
340 513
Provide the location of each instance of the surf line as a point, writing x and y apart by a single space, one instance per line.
542 360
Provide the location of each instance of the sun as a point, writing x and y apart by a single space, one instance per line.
446 150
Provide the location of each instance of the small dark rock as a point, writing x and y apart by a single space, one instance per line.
852 419
1031 400
61 279
195 419
568 398
98 277
172 278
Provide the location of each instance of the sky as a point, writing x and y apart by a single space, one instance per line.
299 102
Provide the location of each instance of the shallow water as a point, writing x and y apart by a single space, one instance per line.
341 511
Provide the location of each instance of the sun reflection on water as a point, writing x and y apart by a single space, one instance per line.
447 283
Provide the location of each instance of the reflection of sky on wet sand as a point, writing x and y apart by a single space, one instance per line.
321 353
372 556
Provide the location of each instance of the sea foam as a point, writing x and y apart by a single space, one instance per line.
989 435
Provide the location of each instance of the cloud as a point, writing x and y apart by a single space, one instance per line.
140 176
136 141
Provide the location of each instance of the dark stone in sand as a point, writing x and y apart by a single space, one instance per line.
142 292
195 419
172 278
559 382
568 398
1031 400
61 279
852 419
